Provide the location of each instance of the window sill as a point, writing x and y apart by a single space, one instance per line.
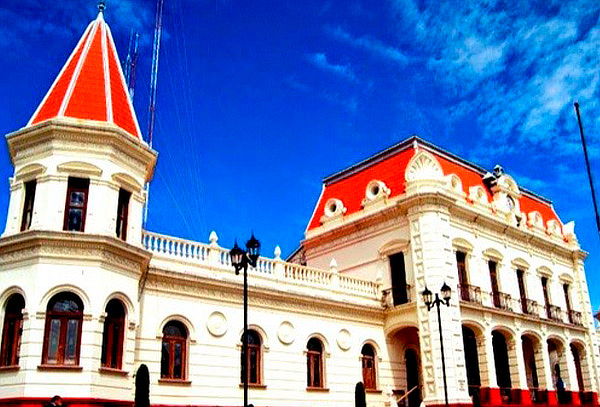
60 367
176 382
254 386
112 371
317 389
373 391
11 368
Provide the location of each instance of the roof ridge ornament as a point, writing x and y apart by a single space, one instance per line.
101 6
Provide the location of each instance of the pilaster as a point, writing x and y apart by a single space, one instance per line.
431 250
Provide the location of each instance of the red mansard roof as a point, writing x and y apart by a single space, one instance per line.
389 166
91 85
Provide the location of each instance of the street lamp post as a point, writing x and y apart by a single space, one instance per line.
240 260
431 302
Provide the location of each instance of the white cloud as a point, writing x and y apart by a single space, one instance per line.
320 60
369 44
517 69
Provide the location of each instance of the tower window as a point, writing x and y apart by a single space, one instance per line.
62 338
11 331
122 213
76 206
28 205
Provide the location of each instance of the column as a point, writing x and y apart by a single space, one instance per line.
495 398
552 400
520 370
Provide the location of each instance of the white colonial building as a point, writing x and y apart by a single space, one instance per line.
87 296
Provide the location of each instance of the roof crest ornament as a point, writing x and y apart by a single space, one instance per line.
101 6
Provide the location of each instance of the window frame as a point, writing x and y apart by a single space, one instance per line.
76 185
10 349
28 203
64 317
172 341
122 214
246 362
311 357
110 345
369 372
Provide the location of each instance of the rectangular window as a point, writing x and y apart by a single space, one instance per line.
492 265
28 205
76 205
122 213
546 296
567 298
522 293
399 287
461 265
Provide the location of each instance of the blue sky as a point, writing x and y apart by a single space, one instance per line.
259 100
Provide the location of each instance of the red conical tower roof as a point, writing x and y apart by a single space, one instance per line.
91 85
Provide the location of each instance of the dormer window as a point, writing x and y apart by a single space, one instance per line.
122 213
28 205
76 206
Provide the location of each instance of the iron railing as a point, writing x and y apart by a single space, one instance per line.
470 293
575 317
530 307
502 301
391 297
555 313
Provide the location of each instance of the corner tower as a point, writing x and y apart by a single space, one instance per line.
71 259
83 142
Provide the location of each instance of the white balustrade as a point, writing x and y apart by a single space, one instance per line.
195 252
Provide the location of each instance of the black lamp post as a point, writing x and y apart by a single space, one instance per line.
431 302
241 260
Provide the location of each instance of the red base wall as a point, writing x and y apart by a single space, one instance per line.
494 400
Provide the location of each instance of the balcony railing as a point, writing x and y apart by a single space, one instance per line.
470 293
214 257
575 317
392 297
502 301
530 307
555 313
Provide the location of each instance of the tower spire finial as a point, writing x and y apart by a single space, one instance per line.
101 5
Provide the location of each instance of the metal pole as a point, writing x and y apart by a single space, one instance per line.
245 343
437 303
587 165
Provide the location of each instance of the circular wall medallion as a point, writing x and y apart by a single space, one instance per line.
343 339
217 324
286 332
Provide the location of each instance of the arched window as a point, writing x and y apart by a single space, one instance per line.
11 331
174 351
62 338
369 373
252 362
114 332
314 363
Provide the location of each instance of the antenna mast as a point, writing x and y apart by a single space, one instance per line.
131 62
587 165
153 79
154 73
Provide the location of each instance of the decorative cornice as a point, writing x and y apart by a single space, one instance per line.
90 134
33 246
221 291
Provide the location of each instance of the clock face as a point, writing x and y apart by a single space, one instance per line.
510 202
